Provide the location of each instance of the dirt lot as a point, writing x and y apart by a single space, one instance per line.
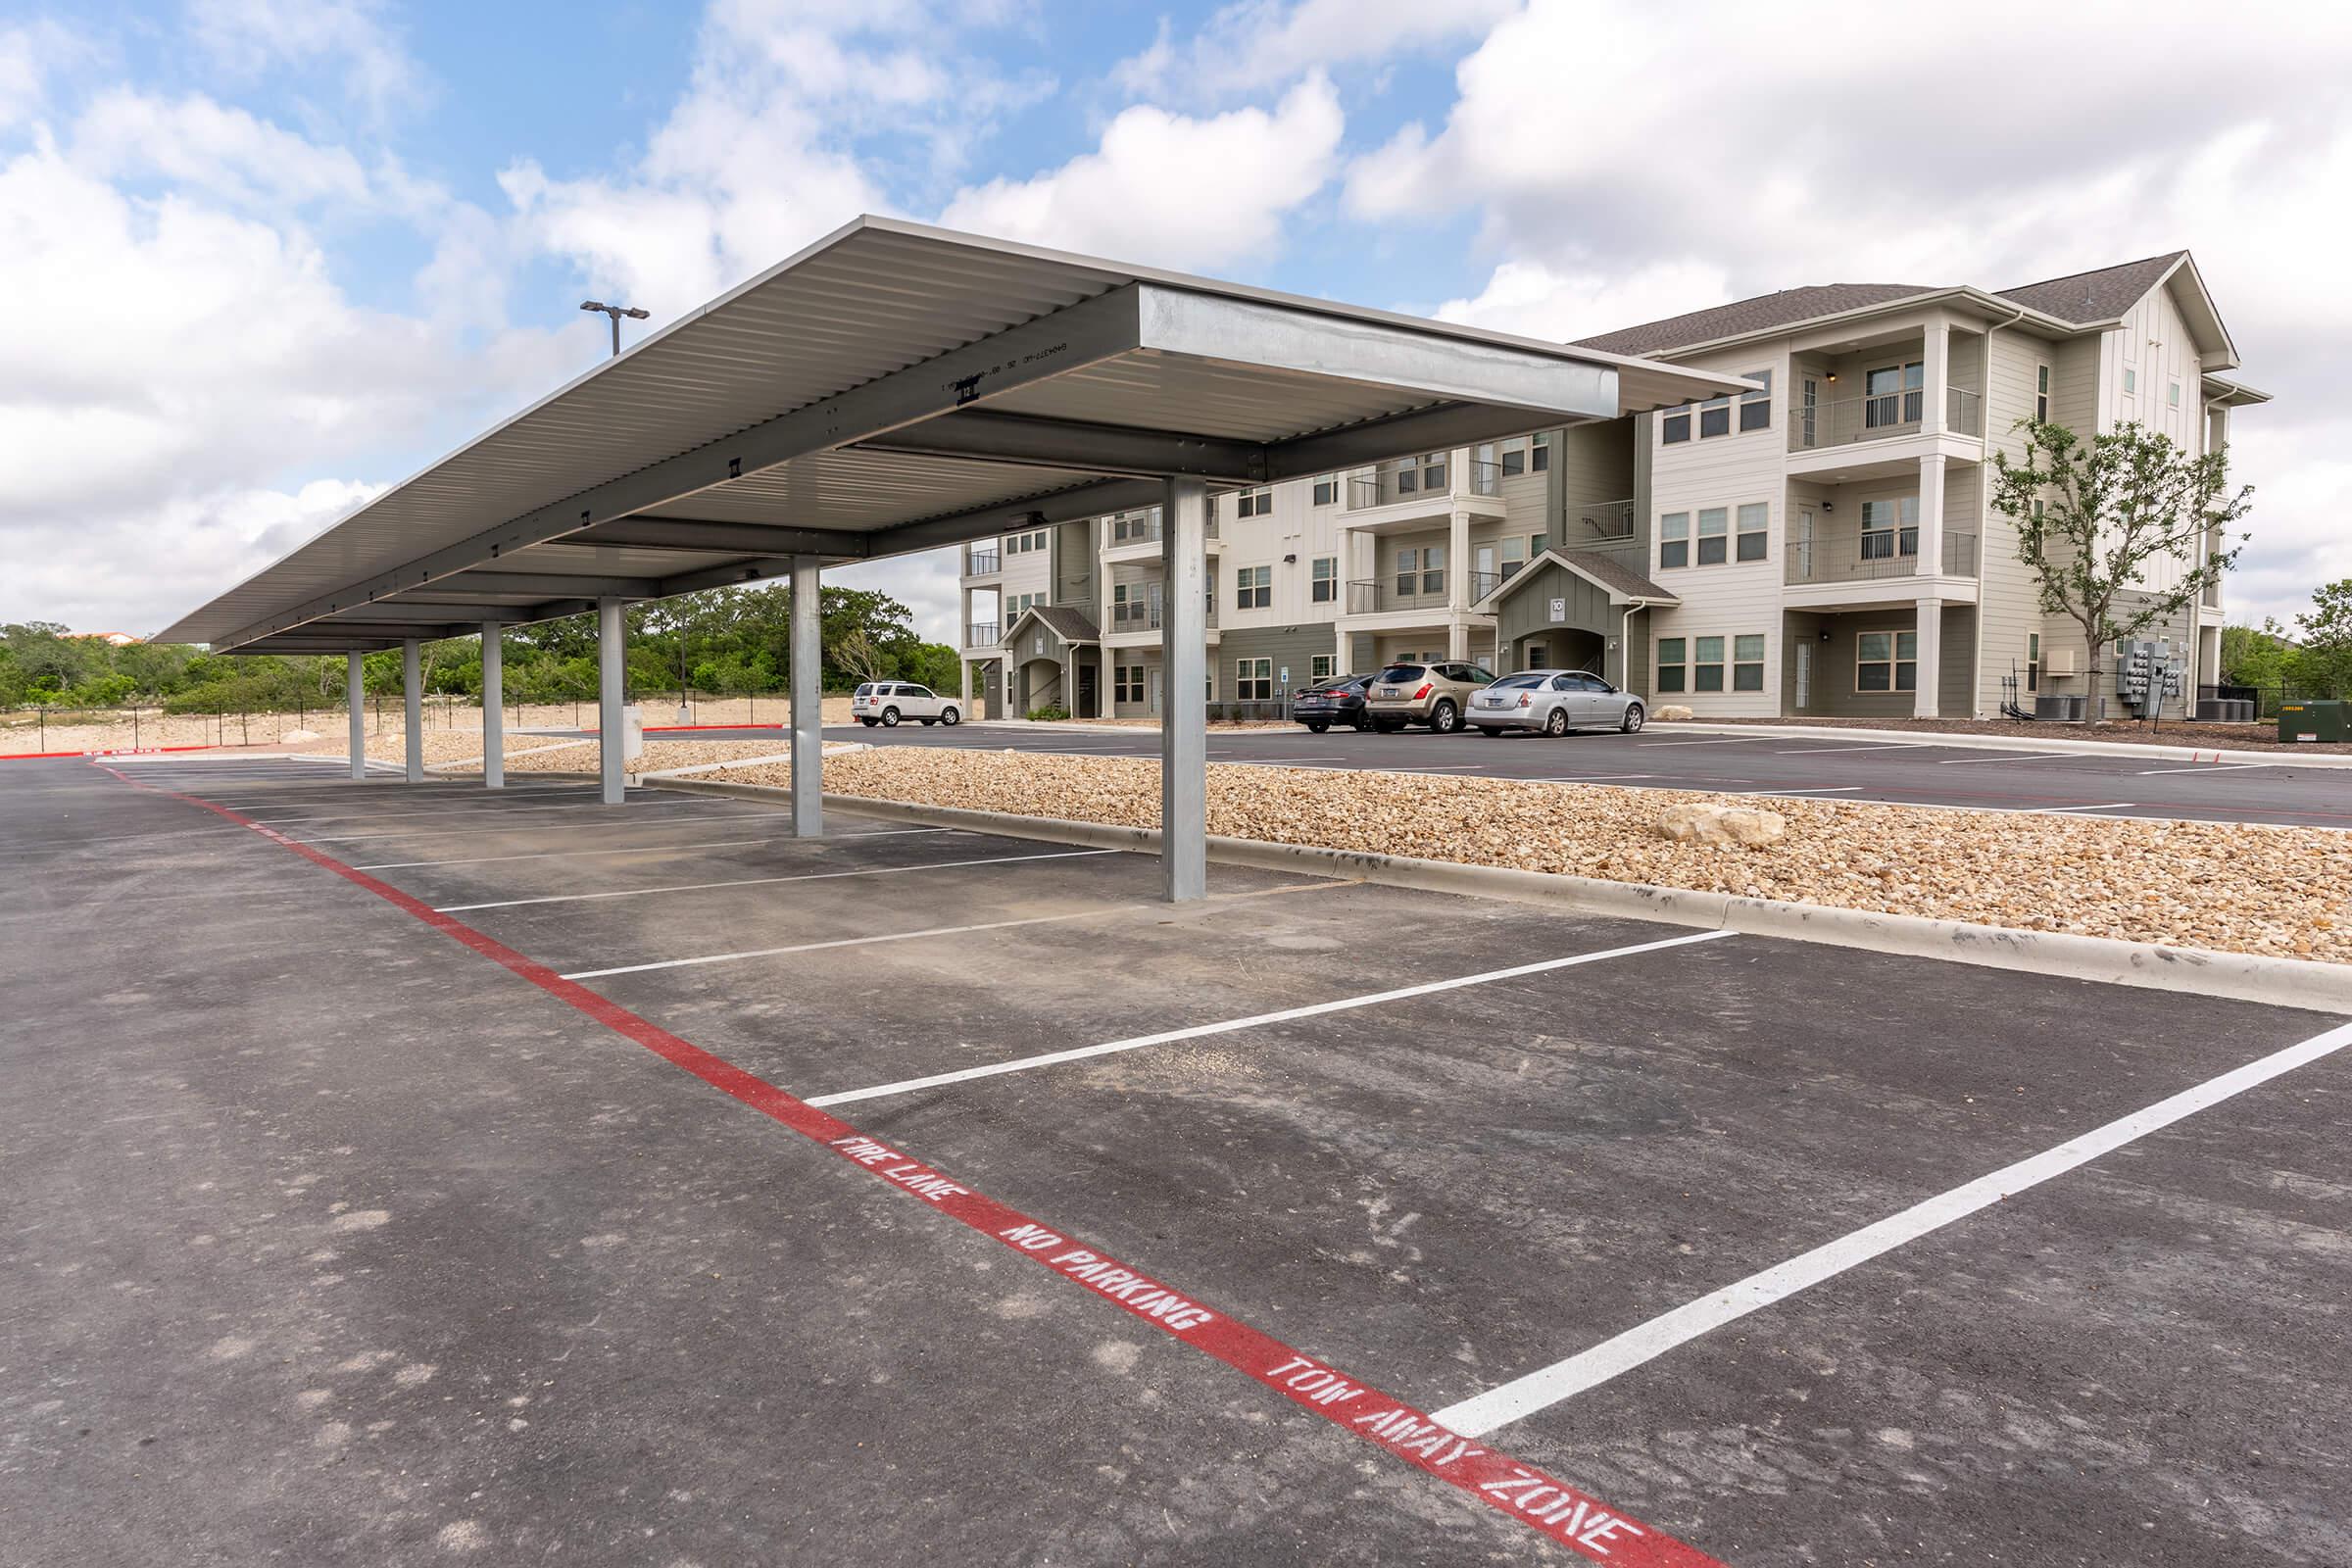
2271 890
2222 737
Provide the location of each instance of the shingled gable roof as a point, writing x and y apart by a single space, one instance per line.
1619 581
2079 298
1064 623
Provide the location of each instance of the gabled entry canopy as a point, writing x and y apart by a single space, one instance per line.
894 388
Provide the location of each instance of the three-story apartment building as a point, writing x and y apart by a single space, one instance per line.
1822 545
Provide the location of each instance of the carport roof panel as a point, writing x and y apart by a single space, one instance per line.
875 298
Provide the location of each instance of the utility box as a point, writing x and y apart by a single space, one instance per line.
632 733
2315 722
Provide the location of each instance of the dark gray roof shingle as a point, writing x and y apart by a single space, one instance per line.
1615 575
1766 311
1069 625
2095 295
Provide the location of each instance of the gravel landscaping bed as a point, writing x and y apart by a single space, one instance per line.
2222 737
658 755
2279 890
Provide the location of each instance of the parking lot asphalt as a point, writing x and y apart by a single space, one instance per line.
341 1226
1901 773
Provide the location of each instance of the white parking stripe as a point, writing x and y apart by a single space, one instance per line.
1890 745
1094 914
765 881
2112 805
2008 757
1728 739
1818 789
651 848
1054 1058
2207 768
1524 1396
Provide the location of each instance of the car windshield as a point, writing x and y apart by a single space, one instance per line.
1513 683
868 690
1398 672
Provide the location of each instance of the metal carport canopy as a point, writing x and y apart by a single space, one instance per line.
893 388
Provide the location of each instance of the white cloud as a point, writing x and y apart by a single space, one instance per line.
250 38
1736 151
1171 189
1259 44
201 145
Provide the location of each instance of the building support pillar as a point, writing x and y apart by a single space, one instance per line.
1927 701
807 676
1935 378
1931 561
412 690
1184 657
1458 586
354 695
493 705
612 666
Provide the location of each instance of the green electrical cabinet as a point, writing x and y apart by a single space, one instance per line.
2315 722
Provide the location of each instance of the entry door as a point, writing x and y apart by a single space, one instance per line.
1800 547
1088 675
1153 702
1484 583
1804 676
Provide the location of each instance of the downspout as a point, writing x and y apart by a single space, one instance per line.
1625 641
1984 512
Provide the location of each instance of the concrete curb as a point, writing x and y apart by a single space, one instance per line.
2239 977
2008 743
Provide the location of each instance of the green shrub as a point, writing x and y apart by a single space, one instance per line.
1051 712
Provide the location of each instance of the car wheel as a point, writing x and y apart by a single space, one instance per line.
1633 718
889 717
1317 729
1555 722
1360 723
869 723
950 718
1445 718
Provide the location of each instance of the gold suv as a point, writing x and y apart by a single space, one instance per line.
1433 694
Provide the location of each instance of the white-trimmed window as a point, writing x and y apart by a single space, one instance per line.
1714 535
1747 662
2032 660
1426 472
1319 667
1673 673
1127 686
1755 531
1254 588
1674 539
1254 680
1514 556
1886 661
1253 504
1674 426
1324 587
1539 452
1755 408
1715 417
1421 571
2042 394
2130 383
1895 394
2172 394
1707 664
1537 544
1890 528
1327 490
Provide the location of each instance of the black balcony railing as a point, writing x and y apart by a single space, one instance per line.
1875 556
980 634
1423 480
981 562
1601 522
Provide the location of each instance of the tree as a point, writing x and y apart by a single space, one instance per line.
2093 516
2325 660
2256 656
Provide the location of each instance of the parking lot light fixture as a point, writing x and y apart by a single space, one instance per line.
615 311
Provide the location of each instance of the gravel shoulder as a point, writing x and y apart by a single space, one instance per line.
2277 891
2222 737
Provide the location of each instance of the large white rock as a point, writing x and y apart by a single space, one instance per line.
1694 823
295 737
1671 712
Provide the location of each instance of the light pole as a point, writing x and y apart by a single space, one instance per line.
617 312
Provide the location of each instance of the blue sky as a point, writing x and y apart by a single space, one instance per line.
269 255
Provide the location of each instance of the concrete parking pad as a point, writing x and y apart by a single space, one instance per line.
333 1238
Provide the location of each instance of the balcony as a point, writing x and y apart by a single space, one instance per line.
1422 481
1384 596
1144 616
1883 418
1874 557
981 634
982 563
1128 529
1604 522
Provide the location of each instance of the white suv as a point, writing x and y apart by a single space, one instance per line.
886 701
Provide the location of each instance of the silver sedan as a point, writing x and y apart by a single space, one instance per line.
1554 702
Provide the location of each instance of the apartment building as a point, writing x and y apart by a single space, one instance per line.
1823 546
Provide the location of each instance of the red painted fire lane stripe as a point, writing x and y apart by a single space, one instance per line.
1551 1506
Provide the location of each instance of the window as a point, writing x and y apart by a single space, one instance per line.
1755 408
1537 544
2172 394
1514 456
1319 667
1127 684
1747 662
1327 490
1707 664
1755 521
1425 473
1896 395
1715 417
1714 537
1674 539
1253 504
1674 426
1514 558
1253 679
2042 394
1671 672
1022 543
1886 661
1539 453
2032 660
1254 588
1889 528
1421 571
1326 585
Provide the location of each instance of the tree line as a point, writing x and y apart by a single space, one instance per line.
724 641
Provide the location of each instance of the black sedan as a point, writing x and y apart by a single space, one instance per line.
1337 701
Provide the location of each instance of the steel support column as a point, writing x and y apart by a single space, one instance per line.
1184 722
412 688
493 705
611 662
354 694
807 680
